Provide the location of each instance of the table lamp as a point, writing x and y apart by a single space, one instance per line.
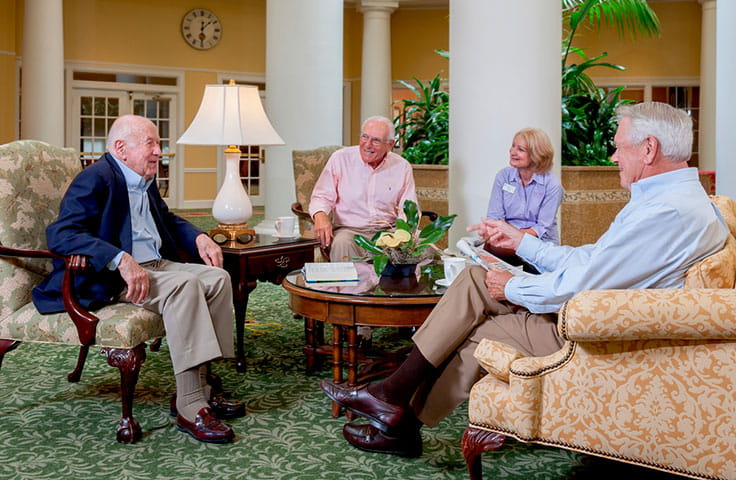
231 115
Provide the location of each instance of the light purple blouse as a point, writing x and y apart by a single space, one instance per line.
534 206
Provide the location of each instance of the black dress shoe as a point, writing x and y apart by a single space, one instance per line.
385 416
221 408
370 439
206 427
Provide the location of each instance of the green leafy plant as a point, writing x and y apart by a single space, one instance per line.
588 112
406 243
423 125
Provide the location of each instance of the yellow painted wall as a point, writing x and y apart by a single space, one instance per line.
415 35
8 81
675 54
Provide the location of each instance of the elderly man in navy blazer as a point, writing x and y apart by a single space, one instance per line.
113 214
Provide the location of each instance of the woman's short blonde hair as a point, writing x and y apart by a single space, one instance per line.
539 147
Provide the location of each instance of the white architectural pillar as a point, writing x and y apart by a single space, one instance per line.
725 98
504 76
375 83
42 85
304 77
707 126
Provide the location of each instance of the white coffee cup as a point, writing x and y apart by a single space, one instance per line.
285 226
453 266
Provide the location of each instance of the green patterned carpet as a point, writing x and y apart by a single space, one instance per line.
52 429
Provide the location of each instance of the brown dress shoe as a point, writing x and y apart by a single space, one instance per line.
384 416
205 428
370 439
221 408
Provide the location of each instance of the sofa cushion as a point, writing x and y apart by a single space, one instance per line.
715 271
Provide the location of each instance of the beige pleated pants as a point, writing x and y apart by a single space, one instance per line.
343 247
196 303
463 317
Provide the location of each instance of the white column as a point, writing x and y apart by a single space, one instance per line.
375 83
304 77
707 126
504 76
42 85
725 98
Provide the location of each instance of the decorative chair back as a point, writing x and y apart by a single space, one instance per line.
308 165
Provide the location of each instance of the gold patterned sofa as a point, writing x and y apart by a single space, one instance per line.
646 377
35 176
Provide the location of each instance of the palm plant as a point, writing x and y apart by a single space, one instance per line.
588 112
424 123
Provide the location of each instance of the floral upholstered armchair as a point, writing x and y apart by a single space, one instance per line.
645 377
35 176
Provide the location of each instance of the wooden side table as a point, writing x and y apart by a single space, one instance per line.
267 259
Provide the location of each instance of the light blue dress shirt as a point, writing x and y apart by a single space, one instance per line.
146 239
668 225
534 206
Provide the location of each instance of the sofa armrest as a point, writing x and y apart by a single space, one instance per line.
615 315
84 321
496 357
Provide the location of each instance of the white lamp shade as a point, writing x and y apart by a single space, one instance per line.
230 115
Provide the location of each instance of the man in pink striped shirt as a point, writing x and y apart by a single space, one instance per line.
364 188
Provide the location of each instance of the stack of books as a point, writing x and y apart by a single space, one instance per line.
327 273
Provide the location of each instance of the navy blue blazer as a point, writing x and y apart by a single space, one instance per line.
94 220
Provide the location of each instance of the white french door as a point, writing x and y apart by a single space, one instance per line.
95 110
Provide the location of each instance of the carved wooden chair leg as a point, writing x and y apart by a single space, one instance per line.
475 442
129 362
155 345
5 347
76 374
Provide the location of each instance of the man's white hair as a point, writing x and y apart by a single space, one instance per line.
380 118
673 128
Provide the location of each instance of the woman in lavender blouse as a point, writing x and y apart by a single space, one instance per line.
527 194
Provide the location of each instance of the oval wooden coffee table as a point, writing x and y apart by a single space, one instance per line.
374 302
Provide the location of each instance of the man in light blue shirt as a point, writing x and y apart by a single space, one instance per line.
668 225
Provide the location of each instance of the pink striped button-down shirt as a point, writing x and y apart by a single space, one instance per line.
360 196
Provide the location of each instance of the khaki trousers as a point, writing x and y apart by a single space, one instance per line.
196 303
463 317
343 247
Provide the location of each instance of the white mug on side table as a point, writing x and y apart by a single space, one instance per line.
285 226
452 266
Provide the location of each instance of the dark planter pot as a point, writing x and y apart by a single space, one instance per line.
401 270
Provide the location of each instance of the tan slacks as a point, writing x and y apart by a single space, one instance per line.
343 247
196 303
463 317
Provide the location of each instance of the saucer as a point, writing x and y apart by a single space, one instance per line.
278 235
442 282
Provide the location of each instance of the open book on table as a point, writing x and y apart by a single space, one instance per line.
473 248
330 272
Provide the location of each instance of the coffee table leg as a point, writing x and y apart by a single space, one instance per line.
336 363
310 347
352 355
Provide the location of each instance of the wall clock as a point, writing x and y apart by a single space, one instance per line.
201 29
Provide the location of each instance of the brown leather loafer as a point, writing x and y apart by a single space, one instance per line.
221 408
382 415
370 439
205 428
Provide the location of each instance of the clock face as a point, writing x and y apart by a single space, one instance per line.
201 29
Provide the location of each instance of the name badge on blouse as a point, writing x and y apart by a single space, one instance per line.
509 188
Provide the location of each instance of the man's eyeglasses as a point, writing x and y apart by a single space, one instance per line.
372 140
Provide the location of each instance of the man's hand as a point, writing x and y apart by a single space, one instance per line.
210 252
135 277
498 233
323 229
496 280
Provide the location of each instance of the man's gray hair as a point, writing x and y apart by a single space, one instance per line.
385 121
673 128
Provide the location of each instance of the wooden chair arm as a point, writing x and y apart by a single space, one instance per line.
298 210
432 216
84 321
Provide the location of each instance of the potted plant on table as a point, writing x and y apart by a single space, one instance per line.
396 253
